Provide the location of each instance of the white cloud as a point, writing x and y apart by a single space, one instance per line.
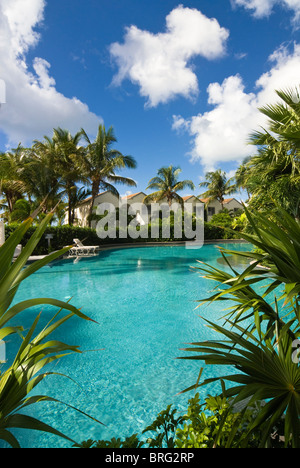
284 73
33 105
21 17
160 63
263 8
221 135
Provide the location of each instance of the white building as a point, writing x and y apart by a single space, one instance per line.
83 210
212 207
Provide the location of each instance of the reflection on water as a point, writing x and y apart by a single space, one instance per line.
234 260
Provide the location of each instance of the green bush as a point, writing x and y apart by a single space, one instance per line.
227 221
222 219
212 232
65 235
218 425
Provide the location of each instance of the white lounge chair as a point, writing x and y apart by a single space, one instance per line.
18 251
83 249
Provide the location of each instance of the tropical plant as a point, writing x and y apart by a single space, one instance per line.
11 183
21 211
284 120
43 180
223 218
64 153
77 197
167 185
131 442
215 424
261 327
101 162
36 350
272 175
241 177
217 186
163 428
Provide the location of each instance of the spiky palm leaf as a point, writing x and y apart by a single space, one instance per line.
261 324
24 374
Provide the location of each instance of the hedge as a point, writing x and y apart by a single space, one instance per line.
65 235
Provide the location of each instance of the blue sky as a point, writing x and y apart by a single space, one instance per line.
180 82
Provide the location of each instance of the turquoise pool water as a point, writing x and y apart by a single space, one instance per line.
143 300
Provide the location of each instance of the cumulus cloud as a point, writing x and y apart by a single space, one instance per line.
221 134
160 63
33 105
263 8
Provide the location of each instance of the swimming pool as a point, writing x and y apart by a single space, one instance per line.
143 300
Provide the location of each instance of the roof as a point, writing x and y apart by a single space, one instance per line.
99 194
226 200
128 197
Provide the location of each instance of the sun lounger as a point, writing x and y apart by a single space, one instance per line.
18 251
83 249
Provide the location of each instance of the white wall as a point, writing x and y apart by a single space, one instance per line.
82 212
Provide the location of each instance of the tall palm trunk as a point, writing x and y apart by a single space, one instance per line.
71 211
70 220
9 201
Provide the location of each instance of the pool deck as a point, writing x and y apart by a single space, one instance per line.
34 258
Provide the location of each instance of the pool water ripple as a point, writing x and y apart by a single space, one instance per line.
143 300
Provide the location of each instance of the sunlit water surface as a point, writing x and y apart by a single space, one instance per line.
144 302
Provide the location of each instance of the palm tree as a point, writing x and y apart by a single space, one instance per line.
43 182
284 120
11 183
78 196
275 168
100 163
64 152
218 186
167 185
242 176
21 211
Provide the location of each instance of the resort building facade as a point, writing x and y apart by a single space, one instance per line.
212 207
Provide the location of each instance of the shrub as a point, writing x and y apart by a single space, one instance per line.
64 236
